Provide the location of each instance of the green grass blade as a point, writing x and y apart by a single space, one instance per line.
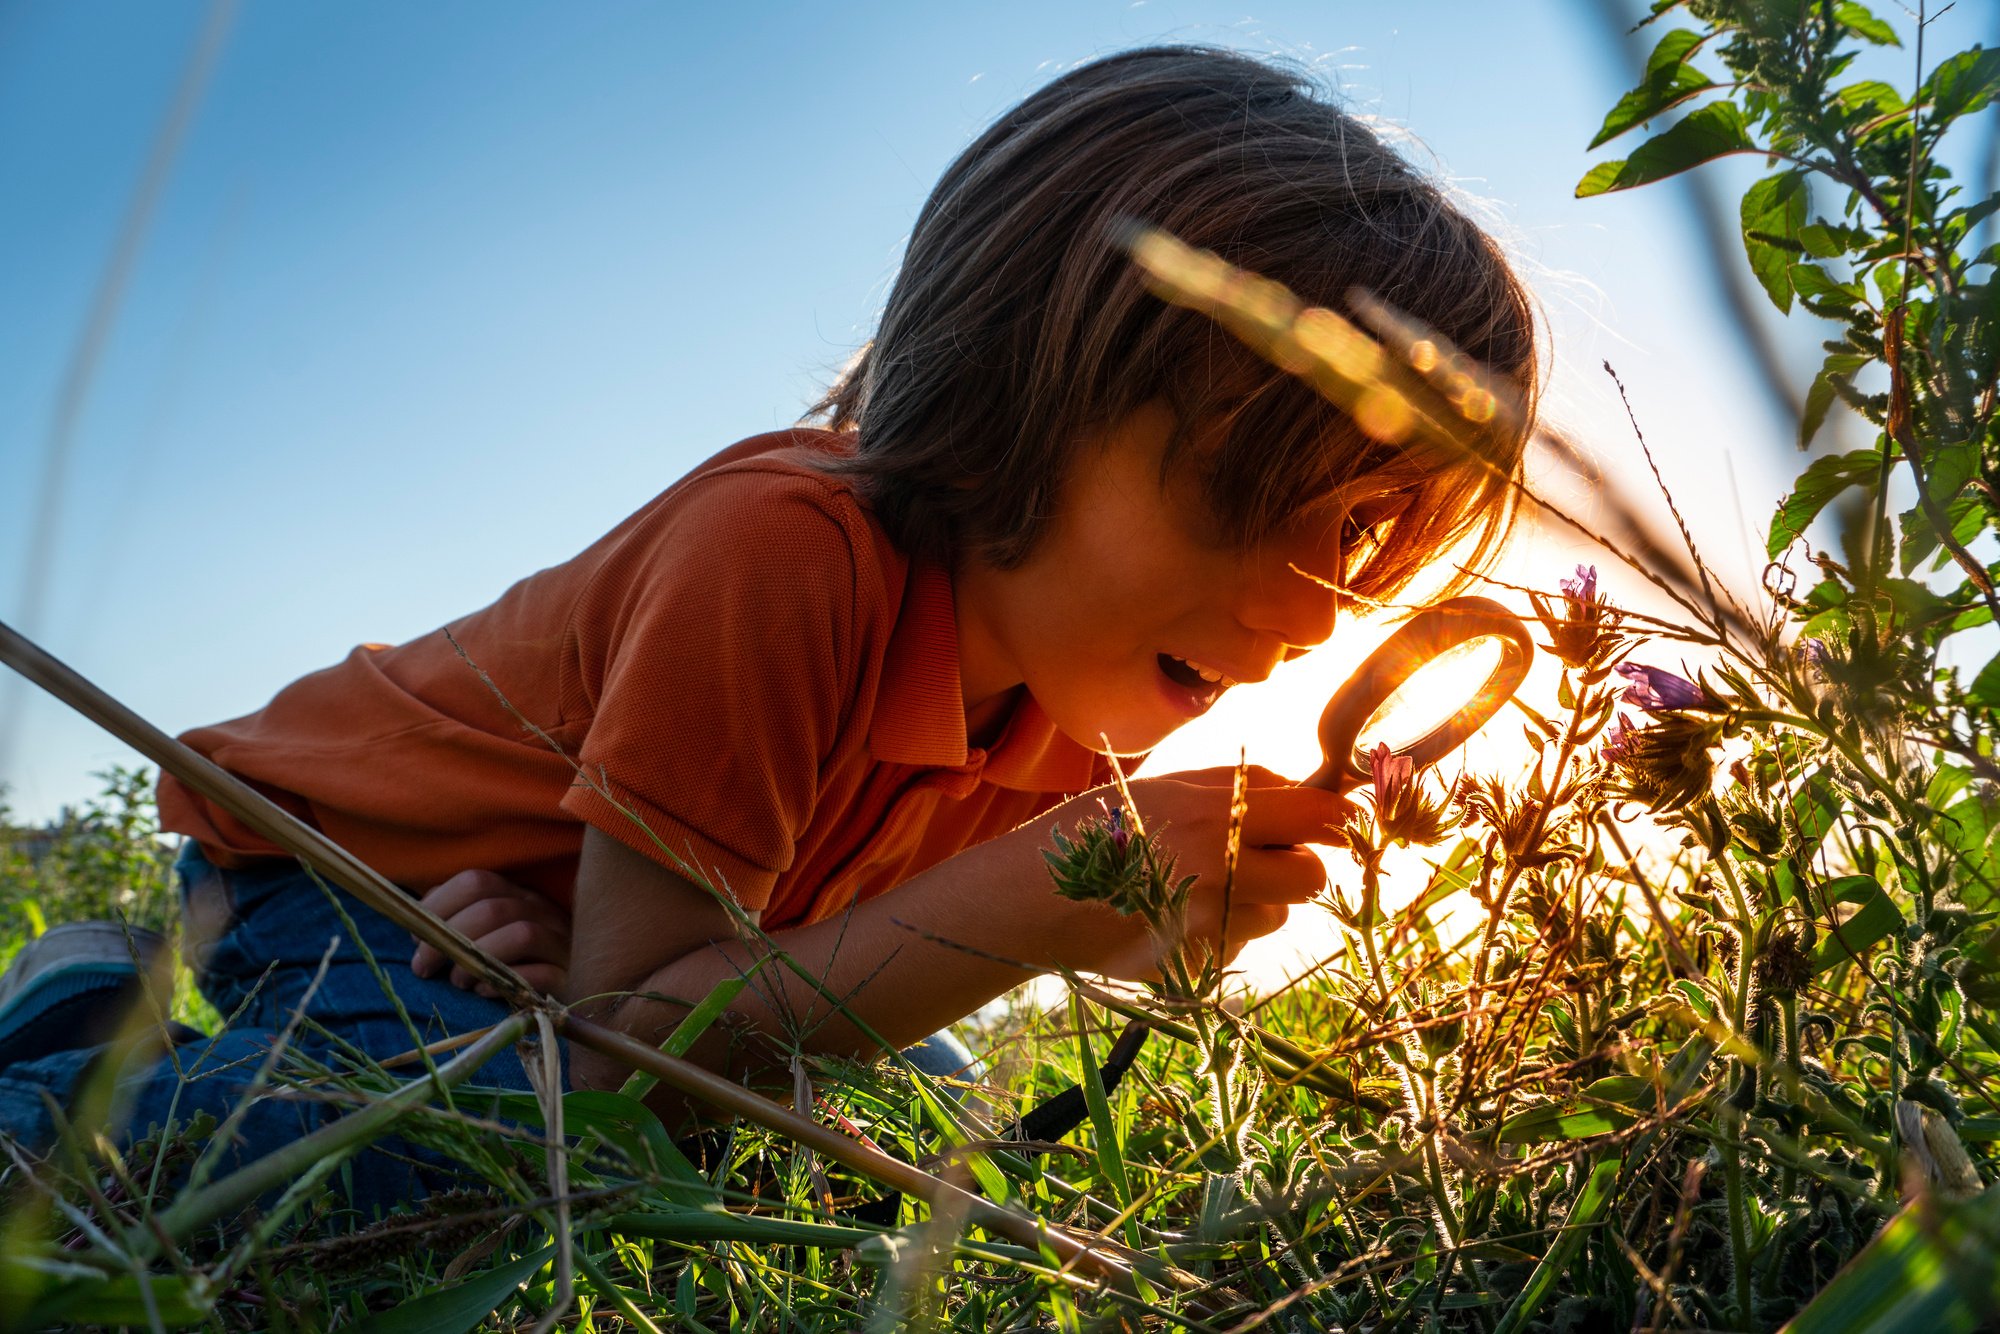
1931 1270
1110 1151
1590 1205
461 1307
42 1291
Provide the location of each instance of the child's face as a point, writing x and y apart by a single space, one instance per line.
1125 604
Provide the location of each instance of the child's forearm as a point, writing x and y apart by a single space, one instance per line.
889 973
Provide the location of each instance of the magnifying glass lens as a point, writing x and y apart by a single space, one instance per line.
1433 695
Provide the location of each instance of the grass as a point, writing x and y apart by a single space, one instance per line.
1583 1188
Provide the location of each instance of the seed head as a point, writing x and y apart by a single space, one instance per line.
1667 765
1784 967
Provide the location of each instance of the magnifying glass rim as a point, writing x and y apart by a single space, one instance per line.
1414 646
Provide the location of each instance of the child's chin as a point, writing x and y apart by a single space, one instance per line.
1132 736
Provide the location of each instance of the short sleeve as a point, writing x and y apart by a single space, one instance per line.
717 649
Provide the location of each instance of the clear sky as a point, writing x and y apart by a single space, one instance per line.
437 293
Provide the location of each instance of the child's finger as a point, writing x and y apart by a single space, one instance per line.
1269 876
1224 775
1288 815
463 890
485 917
510 930
1248 921
527 942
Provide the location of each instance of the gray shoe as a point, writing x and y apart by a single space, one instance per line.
71 986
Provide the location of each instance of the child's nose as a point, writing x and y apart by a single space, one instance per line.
1296 609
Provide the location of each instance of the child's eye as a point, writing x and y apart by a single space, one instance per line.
1359 534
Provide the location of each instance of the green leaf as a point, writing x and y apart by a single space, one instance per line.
1865 25
1876 918
1815 489
1773 210
1933 1269
697 1021
1110 1151
460 1307
1825 389
1964 518
1815 807
627 1125
1872 99
1813 283
1591 1202
1604 1108
1964 83
1557 1122
1667 83
1565 1025
1985 687
1699 999
43 1291
712 1225
1821 241
1458 872
1701 136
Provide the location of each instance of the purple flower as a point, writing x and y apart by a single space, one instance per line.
1814 654
1581 591
1667 764
1404 812
1391 773
1618 740
1121 837
1583 629
1656 690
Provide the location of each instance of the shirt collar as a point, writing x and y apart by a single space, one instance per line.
920 706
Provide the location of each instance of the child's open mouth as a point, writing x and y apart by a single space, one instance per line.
1196 685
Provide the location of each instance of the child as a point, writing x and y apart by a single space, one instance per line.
851 675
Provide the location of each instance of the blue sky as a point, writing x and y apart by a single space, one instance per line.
437 293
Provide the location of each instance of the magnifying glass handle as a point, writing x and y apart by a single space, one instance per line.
1422 638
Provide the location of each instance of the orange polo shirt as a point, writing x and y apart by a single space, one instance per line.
753 677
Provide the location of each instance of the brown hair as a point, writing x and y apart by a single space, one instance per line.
1017 325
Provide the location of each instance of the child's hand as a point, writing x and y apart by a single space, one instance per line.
1188 813
520 927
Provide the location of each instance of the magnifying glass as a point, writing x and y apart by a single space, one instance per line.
1440 678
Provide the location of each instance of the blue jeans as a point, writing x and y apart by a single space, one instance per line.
274 925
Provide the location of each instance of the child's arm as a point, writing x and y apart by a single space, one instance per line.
641 931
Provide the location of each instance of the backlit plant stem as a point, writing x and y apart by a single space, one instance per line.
1497 913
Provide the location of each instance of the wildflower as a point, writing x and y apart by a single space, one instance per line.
1618 739
1667 765
1121 837
1657 690
1105 864
1404 811
1584 633
1814 654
